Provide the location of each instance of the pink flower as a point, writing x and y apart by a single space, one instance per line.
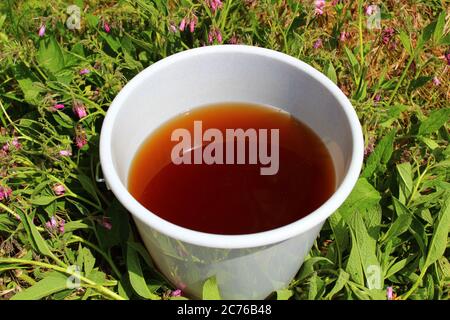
176 293
106 223
41 31
370 147
210 37
447 57
377 98
15 142
51 224
80 140
192 24
84 71
182 24
233 40
389 293
436 81
65 153
218 36
344 36
61 225
59 189
318 44
79 110
5 193
58 106
54 225
214 34
172 28
5 147
387 35
319 5
371 9
214 4
106 27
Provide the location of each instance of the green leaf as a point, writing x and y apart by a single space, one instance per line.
112 42
354 64
120 227
426 34
92 20
396 267
99 277
284 294
366 246
50 55
5 224
399 226
2 20
339 285
211 290
406 42
75 225
340 232
361 94
354 265
313 287
420 82
363 196
123 289
438 242
393 114
54 282
136 275
381 154
445 40
308 266
63 120
405 181
28 83
351 57
87 185
400 209
30 89
88 261
444 265
132 63
139 248
419 234
429 143
43 200
436 120
439 29
330 72
37 240
372 218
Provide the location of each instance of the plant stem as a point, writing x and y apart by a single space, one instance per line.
24 136
415 285
8 210
401 79
360 27
99 288
416 186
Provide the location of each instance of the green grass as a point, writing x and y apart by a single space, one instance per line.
396 220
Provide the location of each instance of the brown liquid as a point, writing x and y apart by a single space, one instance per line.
233 198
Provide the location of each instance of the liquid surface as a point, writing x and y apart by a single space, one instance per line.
233 199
